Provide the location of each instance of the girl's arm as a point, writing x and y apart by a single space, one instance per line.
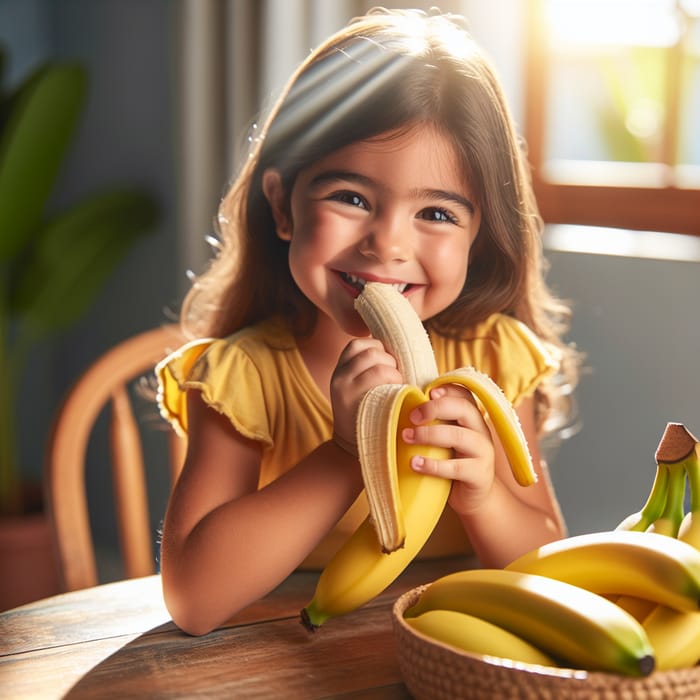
501 518
226 543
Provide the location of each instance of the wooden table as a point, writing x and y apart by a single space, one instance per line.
117 641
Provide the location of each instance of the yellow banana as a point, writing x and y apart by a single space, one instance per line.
675 637
359 571
641 564
581 628
477 636
639 608
404 506
391 319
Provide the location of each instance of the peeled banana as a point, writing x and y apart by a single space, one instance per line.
477 636
382 414
581 628
642 564
404 505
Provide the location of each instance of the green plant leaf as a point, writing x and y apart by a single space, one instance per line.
74 256
33 143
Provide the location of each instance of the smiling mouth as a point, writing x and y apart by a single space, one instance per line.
359 282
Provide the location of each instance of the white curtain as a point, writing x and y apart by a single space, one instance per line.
233 57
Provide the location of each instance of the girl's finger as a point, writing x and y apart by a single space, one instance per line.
469 471
464 441
457 406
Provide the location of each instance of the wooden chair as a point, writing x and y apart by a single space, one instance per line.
105 382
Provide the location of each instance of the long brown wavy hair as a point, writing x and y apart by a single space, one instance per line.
388 71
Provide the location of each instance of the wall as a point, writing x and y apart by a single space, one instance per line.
637 319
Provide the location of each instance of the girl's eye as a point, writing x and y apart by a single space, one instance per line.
351 198
437 214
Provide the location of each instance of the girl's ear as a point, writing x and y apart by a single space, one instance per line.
277 199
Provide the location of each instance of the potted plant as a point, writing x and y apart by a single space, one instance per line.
52 264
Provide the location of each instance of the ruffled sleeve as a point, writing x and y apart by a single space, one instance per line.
228 381
505 349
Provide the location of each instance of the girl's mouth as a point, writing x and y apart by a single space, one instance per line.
359 283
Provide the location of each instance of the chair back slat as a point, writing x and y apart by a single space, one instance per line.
130 494
105 382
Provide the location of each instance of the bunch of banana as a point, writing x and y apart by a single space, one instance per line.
578 628
676 460
630 599
404 506
674 633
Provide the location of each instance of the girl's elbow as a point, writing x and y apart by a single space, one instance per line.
187 614
187 610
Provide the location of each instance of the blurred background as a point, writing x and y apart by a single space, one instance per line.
607 95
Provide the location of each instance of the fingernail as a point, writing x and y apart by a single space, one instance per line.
416 416
417 463
408 434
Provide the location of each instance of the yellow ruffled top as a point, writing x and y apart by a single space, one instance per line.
258 380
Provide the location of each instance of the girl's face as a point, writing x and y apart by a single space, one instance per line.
394 210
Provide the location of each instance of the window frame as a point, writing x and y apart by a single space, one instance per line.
631 196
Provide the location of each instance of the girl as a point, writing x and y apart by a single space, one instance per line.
390 156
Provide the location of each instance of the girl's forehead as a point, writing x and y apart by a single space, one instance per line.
424 143
421 155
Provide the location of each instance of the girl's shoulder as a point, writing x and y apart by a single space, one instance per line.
212 365
502 347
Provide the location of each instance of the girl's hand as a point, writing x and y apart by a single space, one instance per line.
472 467
363 364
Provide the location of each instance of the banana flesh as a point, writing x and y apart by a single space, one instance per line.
582 629
392 320
646 565
382 415
477 636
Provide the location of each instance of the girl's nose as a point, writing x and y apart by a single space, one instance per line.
387 240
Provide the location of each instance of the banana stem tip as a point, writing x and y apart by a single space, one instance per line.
647 664
305 620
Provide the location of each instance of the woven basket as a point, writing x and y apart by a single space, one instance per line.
436 671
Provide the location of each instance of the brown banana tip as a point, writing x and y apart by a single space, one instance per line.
676 444
306 621
390 550
646 665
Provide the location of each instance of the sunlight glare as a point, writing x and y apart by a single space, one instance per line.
613 22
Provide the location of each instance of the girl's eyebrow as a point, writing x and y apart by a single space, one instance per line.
442 195
351 176
347 175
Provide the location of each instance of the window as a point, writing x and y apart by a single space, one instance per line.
613 112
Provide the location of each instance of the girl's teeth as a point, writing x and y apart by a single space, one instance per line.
359 282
